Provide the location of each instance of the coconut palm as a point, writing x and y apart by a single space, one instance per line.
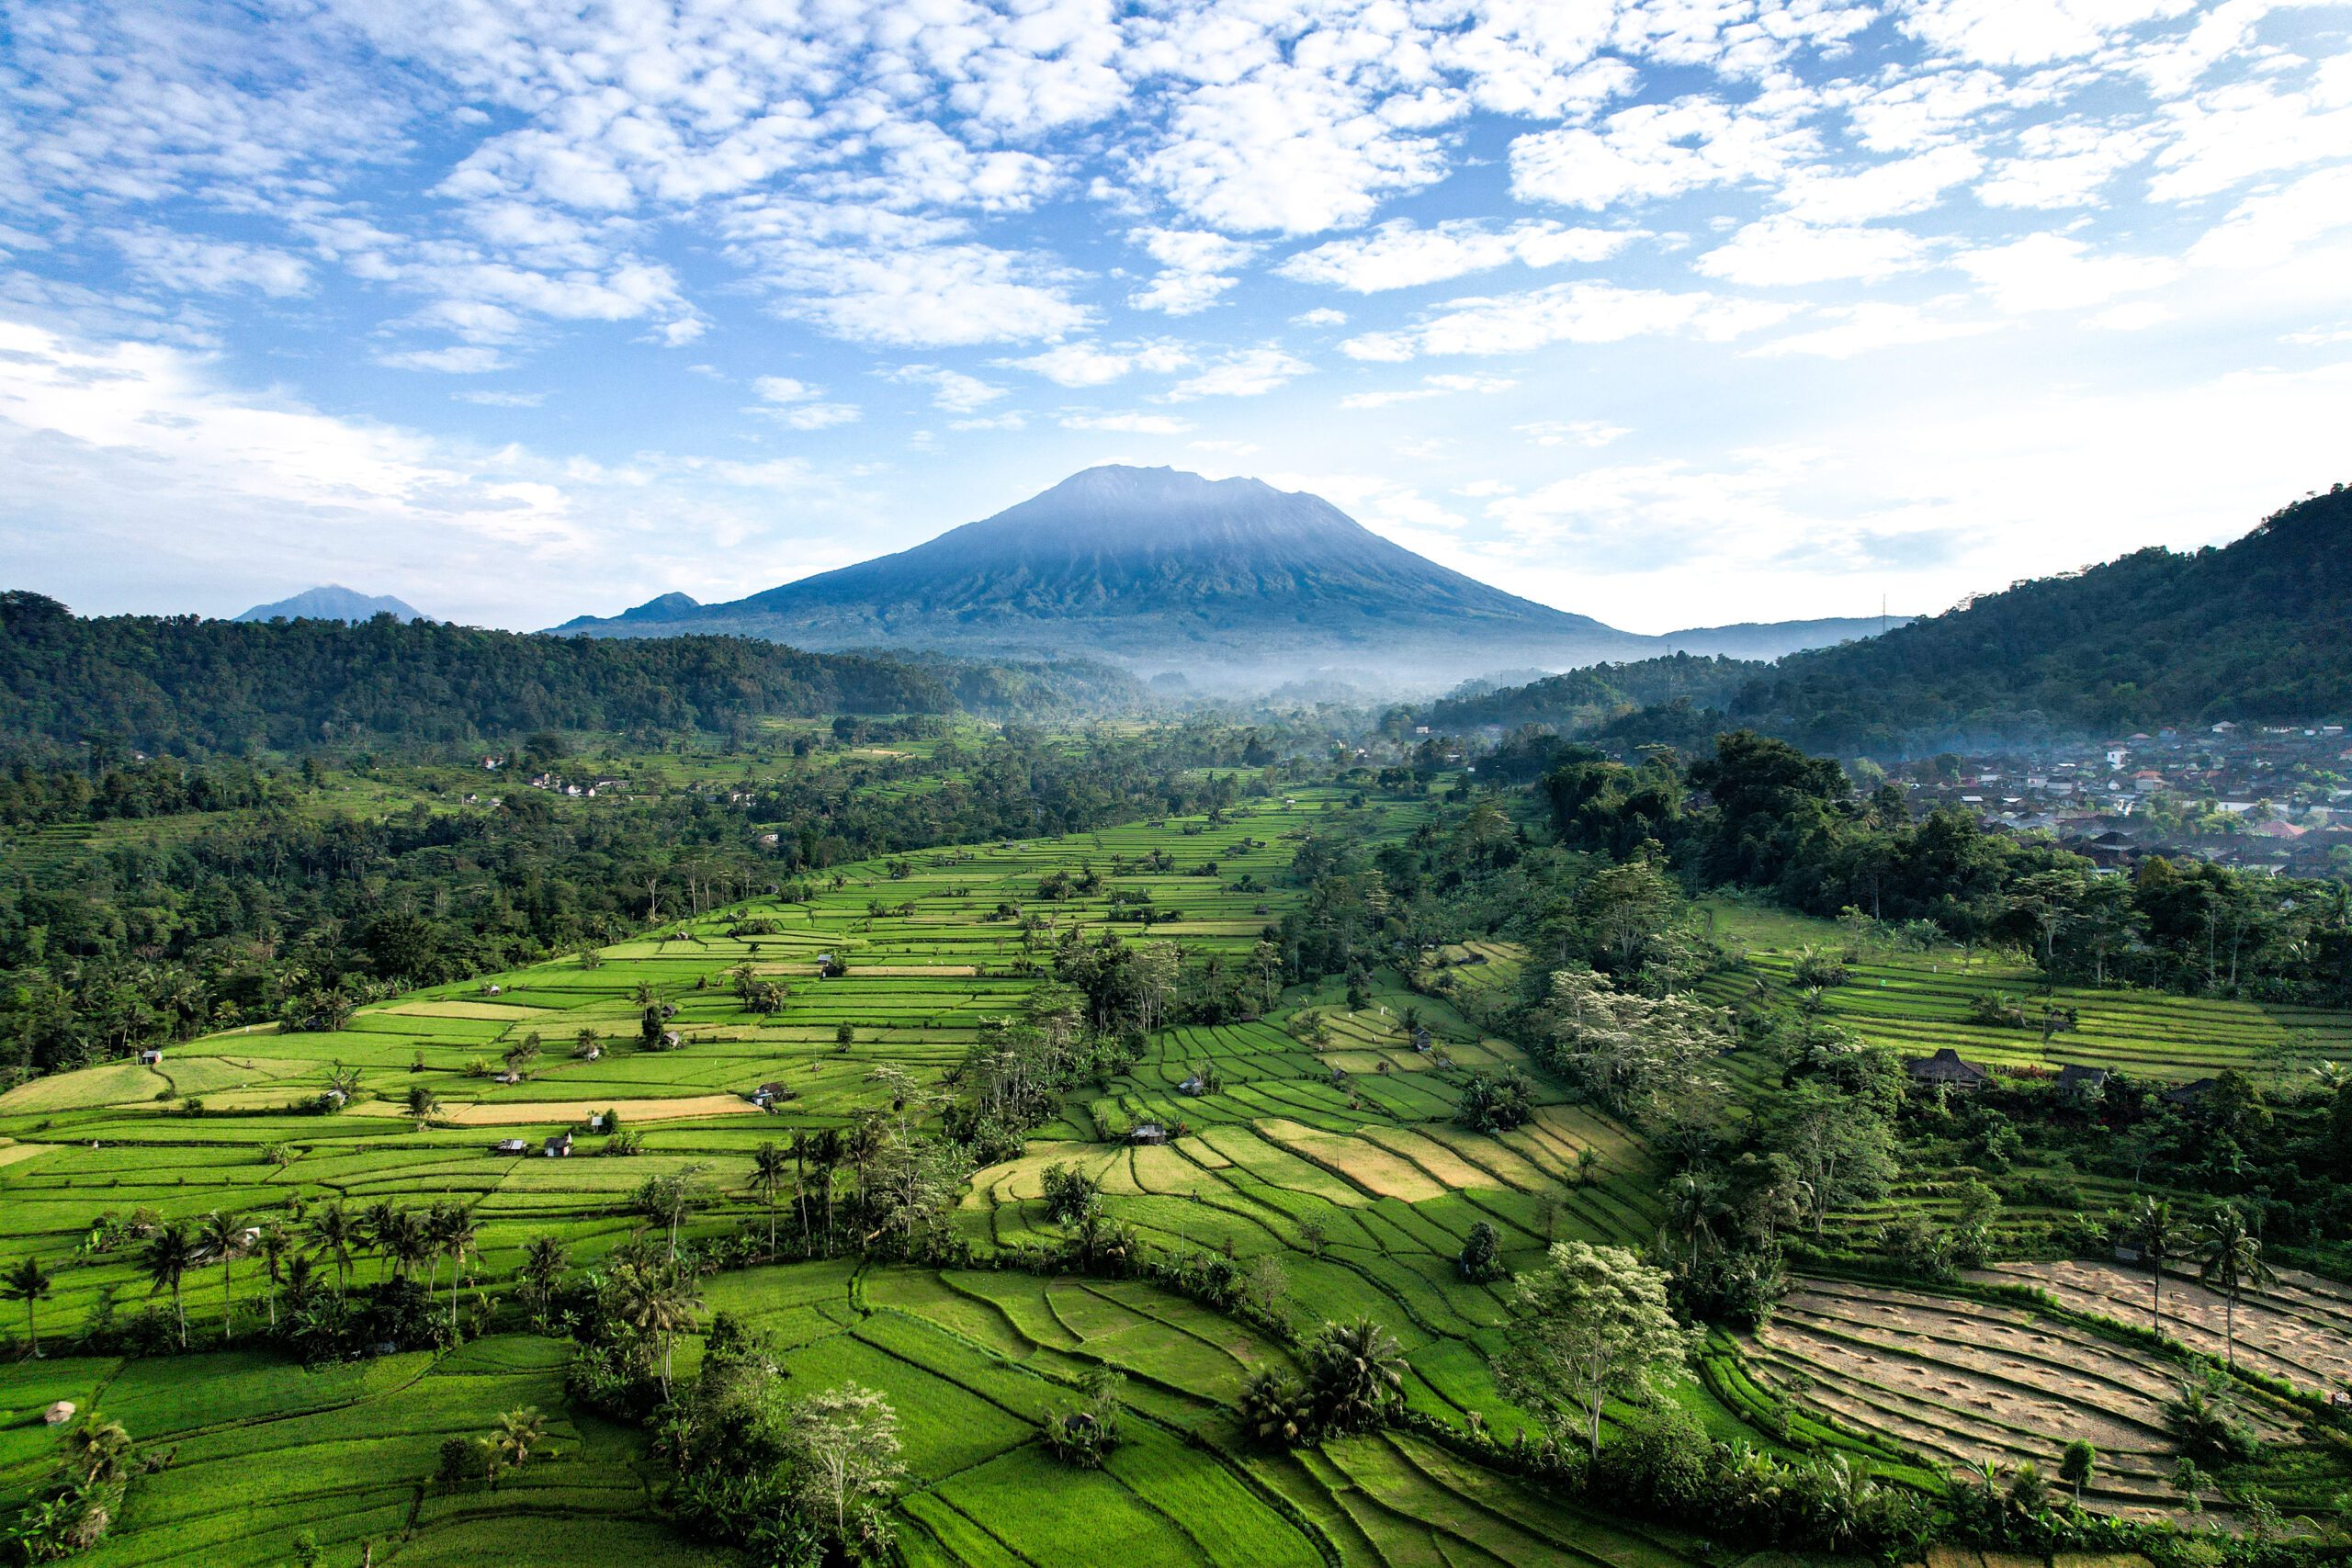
171 1253
660 1301
409 1244
333 1234
544 1262
272 1246
1355 1374
514 1438
861 1146
383 1223
31 1283
801 1144
2160 1238
1695 1202
768 1168
2230 1257
826 1153
222 1234
455 1232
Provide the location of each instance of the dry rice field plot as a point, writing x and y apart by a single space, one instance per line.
1964 1383
2299 1330
567 1112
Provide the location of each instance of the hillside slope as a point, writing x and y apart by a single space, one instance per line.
2256 629
334 601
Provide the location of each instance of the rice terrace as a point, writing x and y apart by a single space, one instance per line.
1175 783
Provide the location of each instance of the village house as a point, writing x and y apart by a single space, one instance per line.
1946 1069
1148 1132
557 1146
510 1146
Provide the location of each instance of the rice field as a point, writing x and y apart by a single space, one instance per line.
1919 1003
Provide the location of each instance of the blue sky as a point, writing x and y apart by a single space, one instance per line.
1671 315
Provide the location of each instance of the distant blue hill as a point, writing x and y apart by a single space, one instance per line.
333 602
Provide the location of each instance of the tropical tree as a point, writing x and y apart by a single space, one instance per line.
381 1226
826 1153
455 1232
845 1443
513 1440
660 1302
544 1262
1355 1375
667 1199
769 1166
171 1253
1593 1322
2229 1259
272 1246
2160 1236
1694 1200
222 1234
96 1448
423 1103
2078 1465
334 1234
31 1283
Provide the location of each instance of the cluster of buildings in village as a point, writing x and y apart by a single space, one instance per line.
2266 799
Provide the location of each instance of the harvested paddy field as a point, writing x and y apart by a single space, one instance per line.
2296 1328
1964 1382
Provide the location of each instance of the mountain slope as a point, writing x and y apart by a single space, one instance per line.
1230 580
332 602
2257 629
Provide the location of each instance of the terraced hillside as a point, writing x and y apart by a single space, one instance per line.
1919 1003
1327 1143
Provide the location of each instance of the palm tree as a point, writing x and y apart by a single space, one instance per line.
273 1244
861 1144
1355 1374
1694 1200
423 1103
513 1436
767 1180
333 1232
660 1301
800 1148
544 1262
224 1236
827 1154
455 1229
409 1244
31 1283
2160 1239
383 1223
171 1253
2230 1259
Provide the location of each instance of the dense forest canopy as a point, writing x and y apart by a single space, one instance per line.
192 686
2252 630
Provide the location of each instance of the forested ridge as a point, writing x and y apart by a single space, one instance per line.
183 684
2250 631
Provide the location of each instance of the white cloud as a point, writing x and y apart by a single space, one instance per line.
213 266
1566 312
950 389
2028 32
784 389
2263 229
1817 194
814 416
1127 423
1781 250
1402 255
1430 386
1197 267
1868 327
2052 272
1097 365
1248 374
1594 433
2062 165
1654 150
502 399
467 360
1321 316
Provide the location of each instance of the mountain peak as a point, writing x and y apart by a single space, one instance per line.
332 602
